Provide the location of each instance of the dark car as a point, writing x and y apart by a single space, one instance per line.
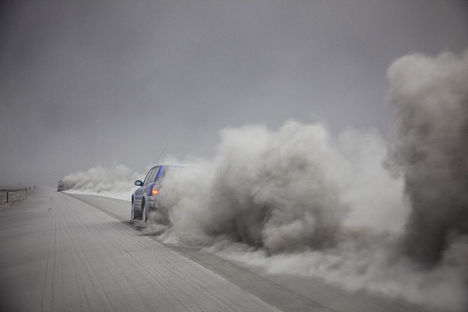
146 197
60 186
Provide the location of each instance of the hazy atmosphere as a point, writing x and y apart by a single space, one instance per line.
234 155
84 83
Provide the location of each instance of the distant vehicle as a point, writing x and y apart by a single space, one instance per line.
146 198
60 186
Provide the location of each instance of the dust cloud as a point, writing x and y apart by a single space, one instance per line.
294 189
351 209
113 181
430 150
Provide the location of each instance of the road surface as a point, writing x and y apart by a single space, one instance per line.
79 253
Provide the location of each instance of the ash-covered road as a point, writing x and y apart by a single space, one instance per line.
60 254
78 253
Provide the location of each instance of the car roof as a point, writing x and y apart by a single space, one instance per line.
171 165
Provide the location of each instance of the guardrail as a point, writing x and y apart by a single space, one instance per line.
13 194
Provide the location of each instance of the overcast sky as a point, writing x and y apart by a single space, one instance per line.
105 81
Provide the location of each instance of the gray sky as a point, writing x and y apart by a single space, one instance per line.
104 81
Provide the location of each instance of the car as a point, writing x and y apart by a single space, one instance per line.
146 197
62 186
59 186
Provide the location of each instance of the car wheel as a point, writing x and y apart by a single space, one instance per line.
143 211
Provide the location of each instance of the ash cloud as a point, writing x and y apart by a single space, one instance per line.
430 150
290 190
300 200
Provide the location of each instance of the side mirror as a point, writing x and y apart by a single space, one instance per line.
138 183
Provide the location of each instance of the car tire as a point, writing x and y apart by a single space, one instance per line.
132 212
143 211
